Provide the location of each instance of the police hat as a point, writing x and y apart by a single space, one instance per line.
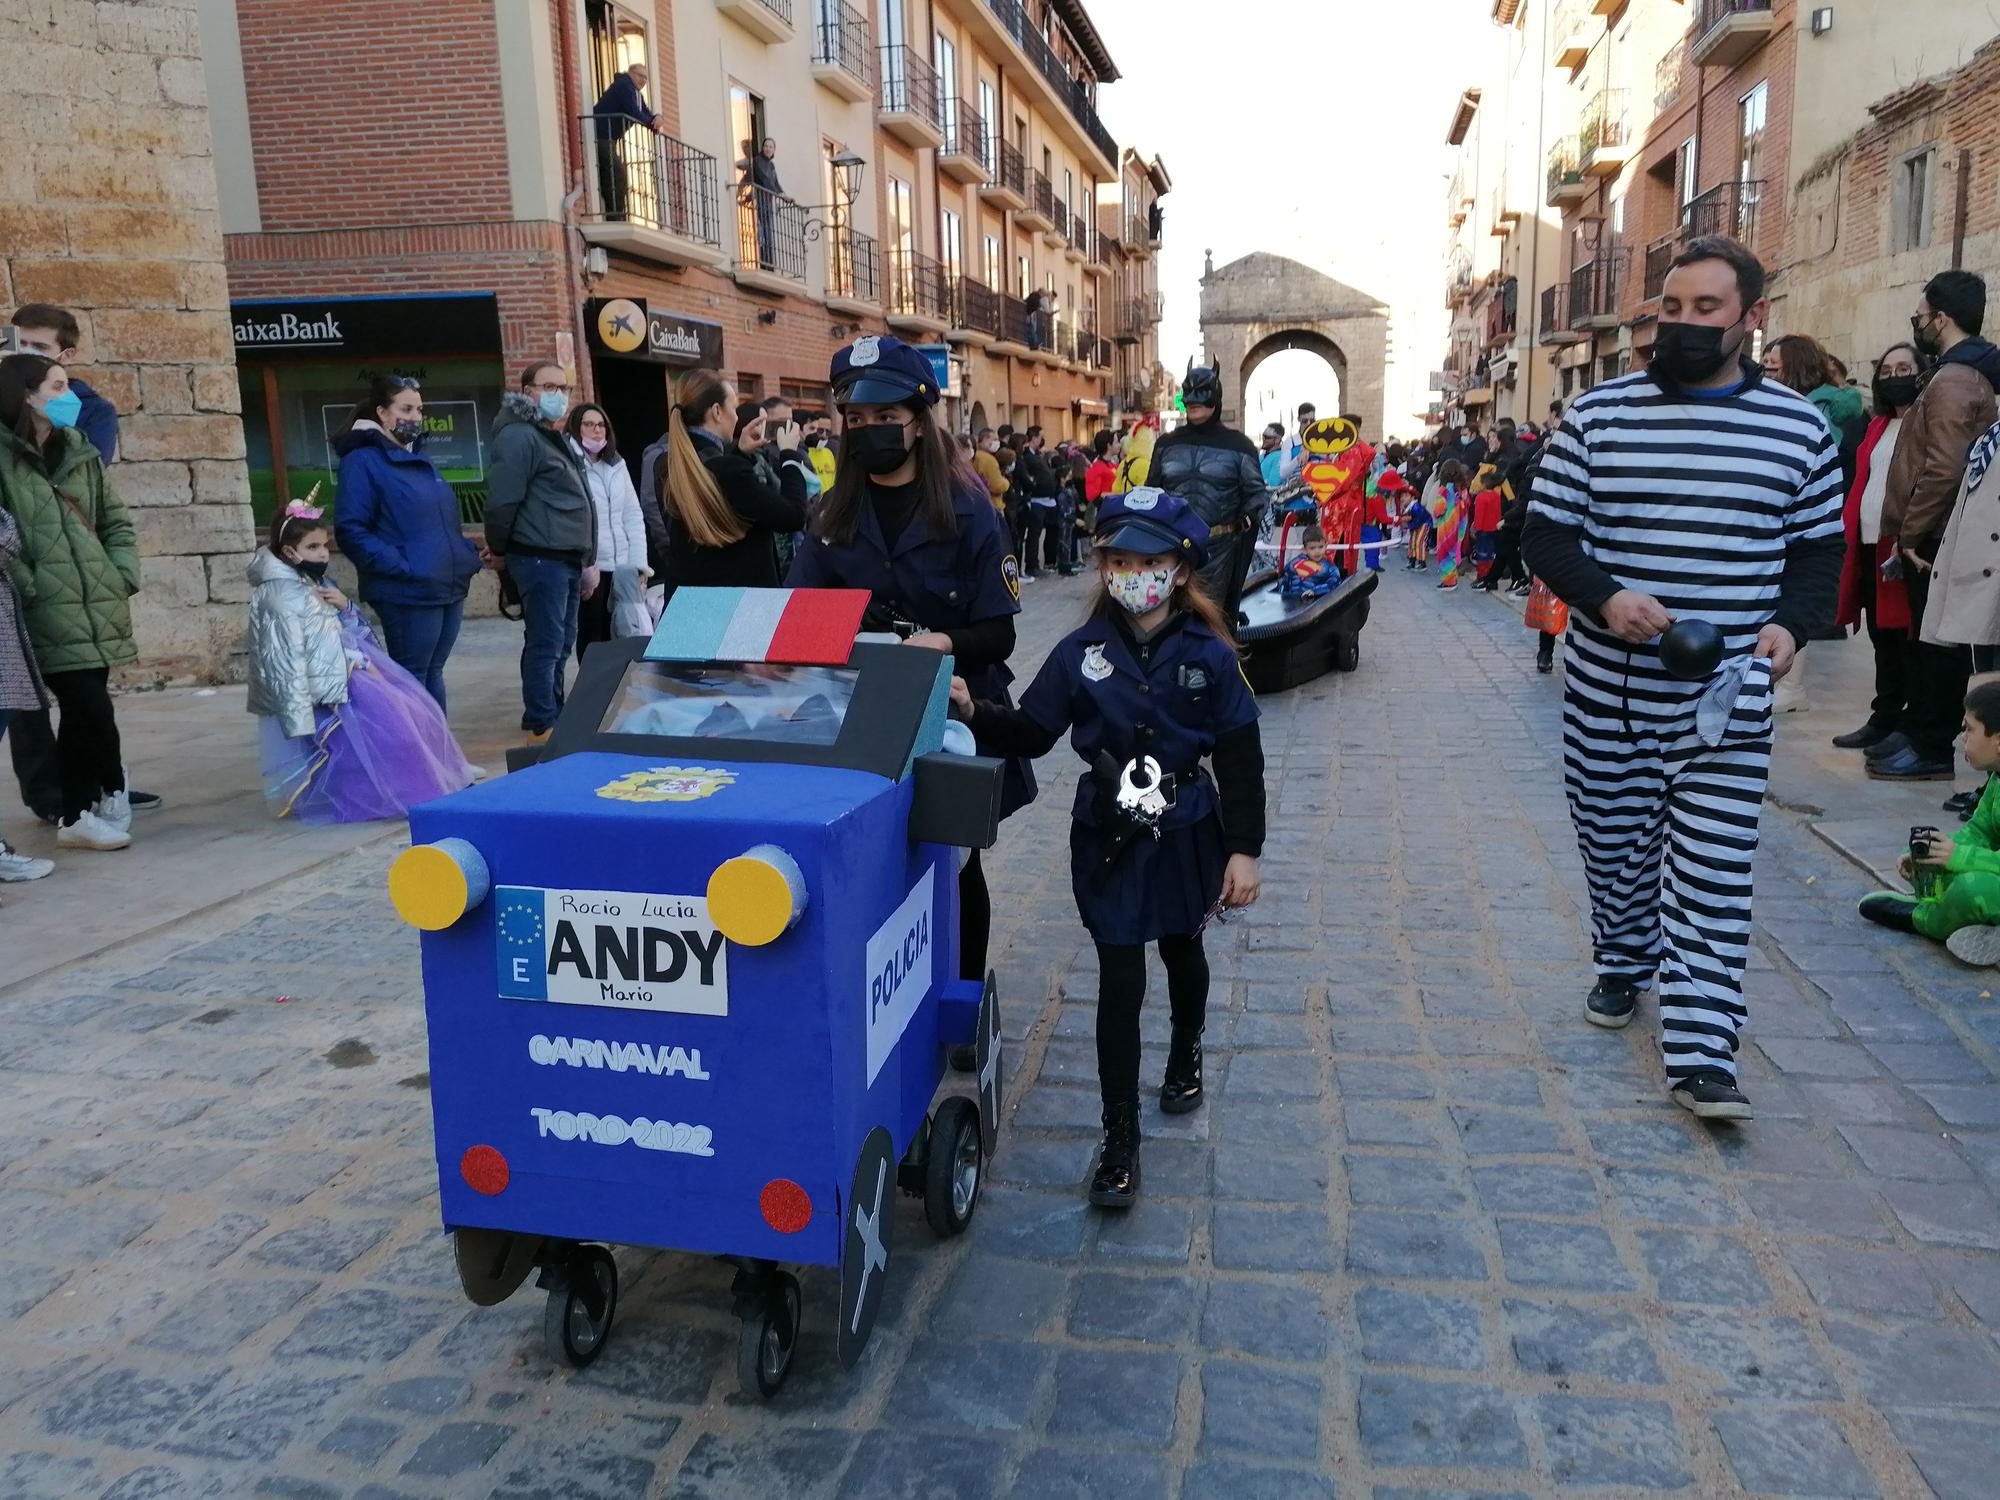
878 370
1150 522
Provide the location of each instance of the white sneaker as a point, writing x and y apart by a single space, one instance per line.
16 866
89 831
115 808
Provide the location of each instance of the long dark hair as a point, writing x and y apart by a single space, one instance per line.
1876 399
941 473
574 427
21 375
382 389
1802 363
1190 596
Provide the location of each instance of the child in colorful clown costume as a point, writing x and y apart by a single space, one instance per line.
1454 507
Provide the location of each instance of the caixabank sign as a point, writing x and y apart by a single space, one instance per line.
377 327
625 328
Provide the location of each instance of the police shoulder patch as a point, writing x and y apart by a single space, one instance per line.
1010 574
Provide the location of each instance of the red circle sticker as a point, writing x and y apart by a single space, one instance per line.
786 1206
484 1170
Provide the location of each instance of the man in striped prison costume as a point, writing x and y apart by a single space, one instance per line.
1690 490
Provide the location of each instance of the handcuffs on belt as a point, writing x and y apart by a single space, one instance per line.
1144 800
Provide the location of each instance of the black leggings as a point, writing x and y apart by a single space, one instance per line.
1121 990
975 920
87 750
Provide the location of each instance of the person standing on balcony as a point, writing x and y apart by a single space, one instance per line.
1954 406
621 106
1037 305
761 190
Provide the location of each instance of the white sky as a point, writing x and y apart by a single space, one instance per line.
1313 129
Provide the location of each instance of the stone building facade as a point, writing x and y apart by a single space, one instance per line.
1262 303
108 207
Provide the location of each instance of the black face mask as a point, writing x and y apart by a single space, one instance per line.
880 449
312 572
1896 392
1929 338
1689 353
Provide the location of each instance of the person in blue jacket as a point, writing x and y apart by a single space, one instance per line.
910 521
1147 688
398 521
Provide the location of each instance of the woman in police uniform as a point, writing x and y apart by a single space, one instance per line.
1150 683
910 522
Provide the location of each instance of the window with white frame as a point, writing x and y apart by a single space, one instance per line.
1911 200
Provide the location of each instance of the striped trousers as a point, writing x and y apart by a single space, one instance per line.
1667 827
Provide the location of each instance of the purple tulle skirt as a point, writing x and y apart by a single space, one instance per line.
375 756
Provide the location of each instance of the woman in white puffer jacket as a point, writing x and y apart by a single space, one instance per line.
618 607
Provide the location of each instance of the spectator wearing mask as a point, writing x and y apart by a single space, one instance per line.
726 506
618 607
541 525
75 572
1037 484
398 522
1866 590
986 463
819 449
1954 407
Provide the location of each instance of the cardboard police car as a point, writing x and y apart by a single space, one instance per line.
691 977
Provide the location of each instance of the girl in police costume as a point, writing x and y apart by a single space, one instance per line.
1152 674
911 522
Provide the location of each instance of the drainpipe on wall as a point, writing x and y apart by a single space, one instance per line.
572 110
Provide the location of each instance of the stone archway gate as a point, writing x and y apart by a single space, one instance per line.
1253 307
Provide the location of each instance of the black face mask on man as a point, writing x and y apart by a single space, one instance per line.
880 449
1927 334
1688 353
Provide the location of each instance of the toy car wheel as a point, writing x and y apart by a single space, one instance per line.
951 1182
767 1337
583 1297
1347 655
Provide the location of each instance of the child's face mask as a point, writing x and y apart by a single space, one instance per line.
1138 590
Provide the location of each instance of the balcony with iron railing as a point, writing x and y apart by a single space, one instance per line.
1057 234
1659 260
648 194
918 293
1017 334
1566 185
910 109
1725 32
1458 280
967 147
1604 138
1039 212
853 271
1728 208
1077 246
1125 325
840 50
1570 29
768 19
1007 185
770 239
1098 263
975 312
1072 93
1139 235
1593 291
1554 325
1670 77
1502 313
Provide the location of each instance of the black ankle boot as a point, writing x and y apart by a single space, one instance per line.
1115 1183
1181 1091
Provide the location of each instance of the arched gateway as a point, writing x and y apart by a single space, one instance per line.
1254 307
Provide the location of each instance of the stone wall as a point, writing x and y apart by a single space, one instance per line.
1251 304
108 207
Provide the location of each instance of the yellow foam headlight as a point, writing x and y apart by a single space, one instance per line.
755 897
433 885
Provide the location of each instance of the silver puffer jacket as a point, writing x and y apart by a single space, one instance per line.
296 655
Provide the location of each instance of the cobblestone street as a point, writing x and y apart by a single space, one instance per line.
1431 1235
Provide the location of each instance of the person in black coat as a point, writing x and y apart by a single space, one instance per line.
725 507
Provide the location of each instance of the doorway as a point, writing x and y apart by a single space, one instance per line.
634 394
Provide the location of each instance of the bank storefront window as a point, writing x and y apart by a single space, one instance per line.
305 364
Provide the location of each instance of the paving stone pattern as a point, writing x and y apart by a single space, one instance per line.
1431 1236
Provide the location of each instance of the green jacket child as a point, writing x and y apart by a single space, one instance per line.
1959 877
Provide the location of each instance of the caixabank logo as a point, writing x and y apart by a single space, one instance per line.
290 330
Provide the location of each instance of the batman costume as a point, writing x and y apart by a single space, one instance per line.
1216 470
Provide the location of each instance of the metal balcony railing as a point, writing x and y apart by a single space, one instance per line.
1074 92
770 233
1008 168
975 305
1728 208
1079 233
1670 77
1603 127
965 133
1714 12
1059 216
917 285
853 266
1502 313
840 38
910 85
1554 313
1041 197
1565 171
782 9
1014 327
651 180
1659 260
1593 289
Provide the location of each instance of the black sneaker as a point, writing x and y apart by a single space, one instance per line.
1910 764
145 802
1862 738
1612 1002
1965 804
1891 909
1712 1096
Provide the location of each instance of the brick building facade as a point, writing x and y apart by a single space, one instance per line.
122 229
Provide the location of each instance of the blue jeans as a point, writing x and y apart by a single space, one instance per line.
420 637
550 594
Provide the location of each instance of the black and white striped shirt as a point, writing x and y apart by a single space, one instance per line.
1725 508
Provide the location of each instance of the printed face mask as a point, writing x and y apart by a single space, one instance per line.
408 429
1142 589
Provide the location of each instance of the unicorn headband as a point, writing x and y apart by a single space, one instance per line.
305 510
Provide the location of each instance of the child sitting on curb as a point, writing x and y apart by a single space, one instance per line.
1958 878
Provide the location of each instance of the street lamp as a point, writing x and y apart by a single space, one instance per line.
847 172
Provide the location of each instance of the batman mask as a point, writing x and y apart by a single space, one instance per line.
1201 386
